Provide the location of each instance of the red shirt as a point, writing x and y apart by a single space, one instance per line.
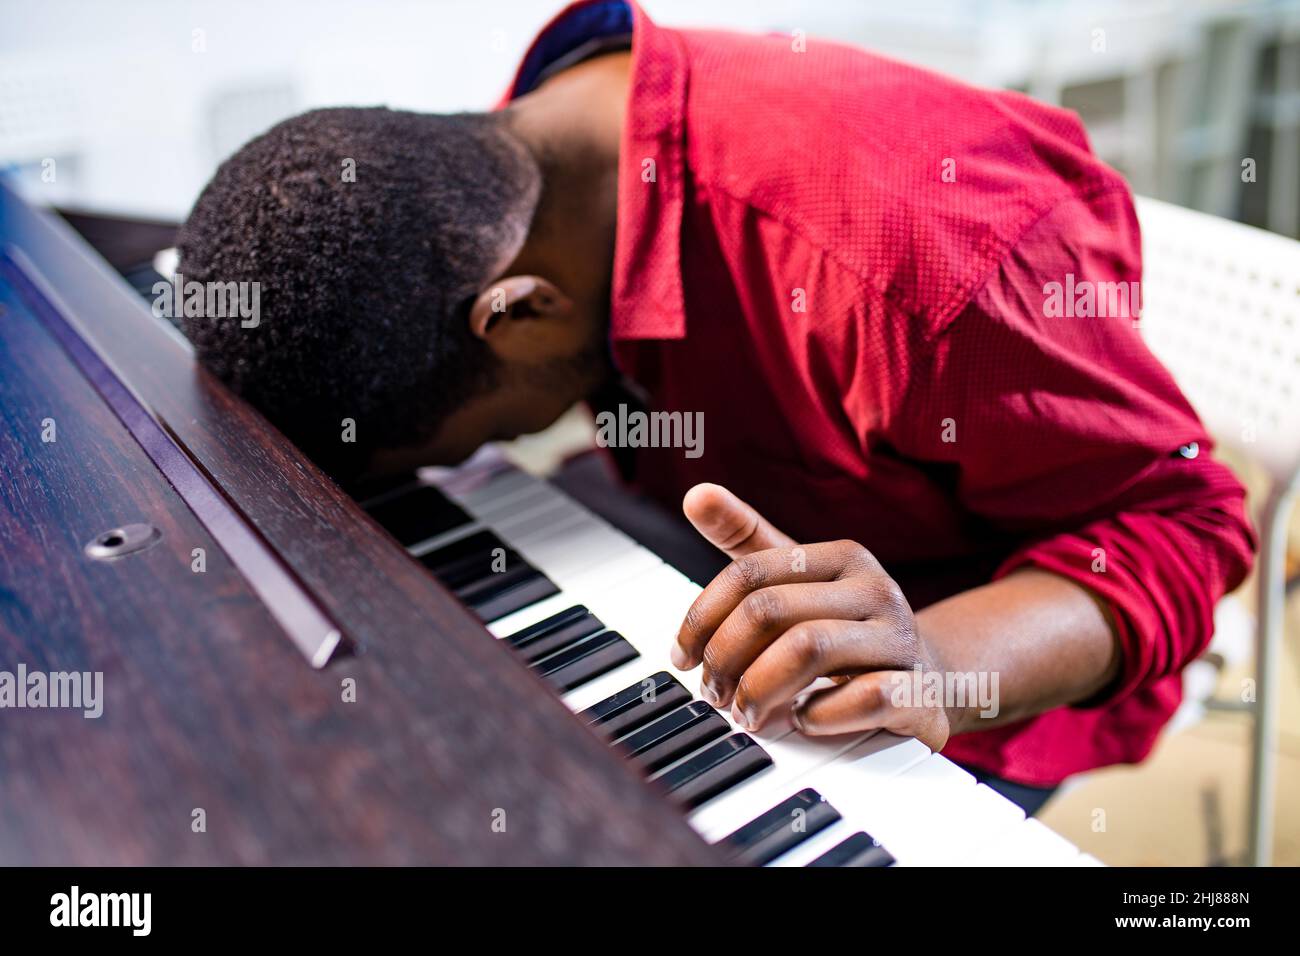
844 263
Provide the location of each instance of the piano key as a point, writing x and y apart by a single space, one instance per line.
494 584
547 518
1049 845
1028 844
471 559
446 538
555 632
713 770
636 705
924 813
843 777
369 491
517 589
648 607
532 614
981 816
418 515
597 581
581 546
793 754
816 845
612 572
538 498
926 791
637 670
674 735
780 829
794 758
502 575
587 659
858 850
499 491
562 622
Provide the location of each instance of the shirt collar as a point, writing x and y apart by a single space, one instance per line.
646 299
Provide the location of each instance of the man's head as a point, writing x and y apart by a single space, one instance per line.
382 243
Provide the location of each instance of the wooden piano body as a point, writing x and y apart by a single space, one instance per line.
419 741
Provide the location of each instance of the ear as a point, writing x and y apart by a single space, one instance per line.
516 297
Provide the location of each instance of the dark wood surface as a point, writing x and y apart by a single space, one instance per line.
207 704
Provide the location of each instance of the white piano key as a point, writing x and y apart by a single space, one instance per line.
548 517
647 609
606 575
1052 842
1030 844
582 546
932 811
501 488
525 501
862 763
947 831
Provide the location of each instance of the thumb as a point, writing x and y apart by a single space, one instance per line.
729 524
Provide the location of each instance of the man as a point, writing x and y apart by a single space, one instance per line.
853 271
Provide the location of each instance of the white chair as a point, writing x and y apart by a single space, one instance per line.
1221 309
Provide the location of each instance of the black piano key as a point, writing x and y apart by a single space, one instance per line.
674 735
636 706
858 850
470 559
510 576
529 589
587 659
555 633
418 515
364 490
711 771
780 829
557 620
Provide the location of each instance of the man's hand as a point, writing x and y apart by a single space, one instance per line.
782 615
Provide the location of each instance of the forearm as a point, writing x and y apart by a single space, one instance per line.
1049 641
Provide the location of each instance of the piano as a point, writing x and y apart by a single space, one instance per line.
464 666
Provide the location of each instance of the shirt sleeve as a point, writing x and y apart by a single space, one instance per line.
1057 427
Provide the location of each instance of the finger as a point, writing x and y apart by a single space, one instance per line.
729 524
814 562
809 650
761 617
867 702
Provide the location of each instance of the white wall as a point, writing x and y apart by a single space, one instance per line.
118 95
135 101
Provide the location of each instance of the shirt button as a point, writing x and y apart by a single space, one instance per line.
1190 450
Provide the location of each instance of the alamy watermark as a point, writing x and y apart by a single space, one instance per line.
208 300
948 689
1085 299
638 429
133 911
73 690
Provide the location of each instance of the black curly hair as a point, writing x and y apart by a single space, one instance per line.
369 232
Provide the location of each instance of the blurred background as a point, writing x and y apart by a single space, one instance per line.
136 101
125 108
